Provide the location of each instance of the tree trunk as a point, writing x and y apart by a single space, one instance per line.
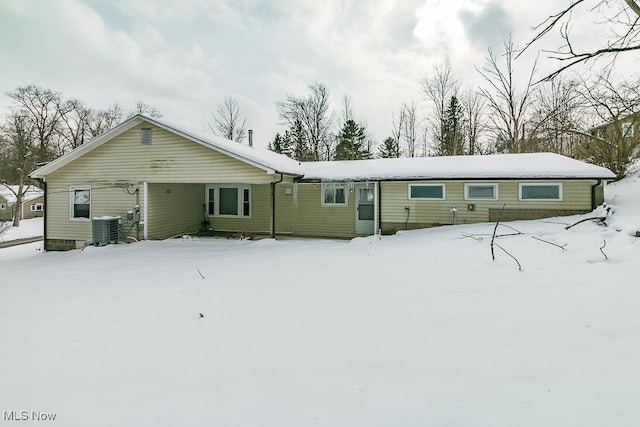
17 214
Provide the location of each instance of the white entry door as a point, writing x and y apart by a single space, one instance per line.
365 209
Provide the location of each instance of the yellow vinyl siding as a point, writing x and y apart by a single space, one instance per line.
106 199
169 158
260 220
175 209
576 196
312 219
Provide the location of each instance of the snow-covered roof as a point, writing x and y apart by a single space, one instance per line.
31 193
264 159
507 166
498 166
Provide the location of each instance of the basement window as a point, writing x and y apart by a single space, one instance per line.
229 200
426 192
545 191
145 136
481 191
80 203
334 194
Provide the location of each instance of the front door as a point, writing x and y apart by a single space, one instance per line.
365 205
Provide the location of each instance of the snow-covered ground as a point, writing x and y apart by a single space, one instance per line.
33 227
417 329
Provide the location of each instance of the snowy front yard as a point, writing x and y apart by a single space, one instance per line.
418 329
33 227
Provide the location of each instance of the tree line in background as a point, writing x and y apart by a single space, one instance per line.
42 125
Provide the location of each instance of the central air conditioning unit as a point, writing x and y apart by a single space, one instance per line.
105 230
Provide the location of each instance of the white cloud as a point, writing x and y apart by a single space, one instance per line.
185 57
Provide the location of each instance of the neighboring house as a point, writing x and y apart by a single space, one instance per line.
181 182
627 127
32 202
6 212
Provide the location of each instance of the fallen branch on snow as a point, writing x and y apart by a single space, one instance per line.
601 249
598 218
551 243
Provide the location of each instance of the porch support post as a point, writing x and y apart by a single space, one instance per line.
145 206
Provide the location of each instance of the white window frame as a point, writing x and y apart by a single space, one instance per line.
444 194
334 185
495 186
241 200
37 207
627 129
542 184
3 206
72 191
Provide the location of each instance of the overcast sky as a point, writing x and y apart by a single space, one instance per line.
184 57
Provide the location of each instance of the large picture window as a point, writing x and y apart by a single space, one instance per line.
481 191
426 192
334 194
541 191
232 200
80 203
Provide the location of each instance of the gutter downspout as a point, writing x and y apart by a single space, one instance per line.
145 206
593 194
273 206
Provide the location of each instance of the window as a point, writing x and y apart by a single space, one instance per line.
145 136
627 130
80 203
481 191
233 200
426 191
3 206
540 191
36 207
334 194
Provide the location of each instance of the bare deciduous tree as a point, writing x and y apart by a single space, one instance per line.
556 109
101 121
18 146
622 19
474 123
410 128
142 107
227 121
74 124
507 103
42 109
438 89
615 143
311 114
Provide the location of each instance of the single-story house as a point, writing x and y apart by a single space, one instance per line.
32 202
163 181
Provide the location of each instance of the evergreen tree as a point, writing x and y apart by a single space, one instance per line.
295 139
389 148
352 142
278 144
452 143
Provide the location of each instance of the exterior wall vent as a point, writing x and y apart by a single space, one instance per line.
105 230
145 136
